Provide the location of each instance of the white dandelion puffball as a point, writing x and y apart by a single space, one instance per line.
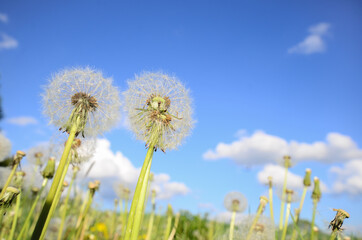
5 147
82 94
263 229
4 174
235 201
159 109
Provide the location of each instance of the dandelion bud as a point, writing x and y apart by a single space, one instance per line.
289 193
337 222
307 178
18 178
315 229
18 156
9 197
270 181
34 190
169 210
287 161
317 193
49 169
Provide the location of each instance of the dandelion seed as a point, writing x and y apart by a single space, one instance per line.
159 109
84 94
234 202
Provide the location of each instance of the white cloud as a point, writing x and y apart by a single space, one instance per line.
108 165
22 121
348 179
261 148
7 42
314 42
294 181
3 18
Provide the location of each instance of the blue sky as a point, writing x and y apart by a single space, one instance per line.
265 77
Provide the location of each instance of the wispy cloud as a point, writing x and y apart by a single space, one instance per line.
348 179
3 18
7 42
314 42
110 165
22 121
261 148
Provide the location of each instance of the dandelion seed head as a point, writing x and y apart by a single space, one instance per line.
235 201
263 229
82 92
4 174
159 109
5 146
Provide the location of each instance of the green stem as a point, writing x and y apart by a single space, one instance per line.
255 221
56 185
138 214
333 235
271 204
313 219
12 232
114 221
64 213
283 200
232 223
298 213
286 221
8 180
30 214
124 217
136 198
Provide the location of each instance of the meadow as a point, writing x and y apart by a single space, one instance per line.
39 204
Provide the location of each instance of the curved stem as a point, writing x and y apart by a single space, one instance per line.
136 198
56 186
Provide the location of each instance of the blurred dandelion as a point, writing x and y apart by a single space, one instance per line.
337 222
263 229
159 109
234 202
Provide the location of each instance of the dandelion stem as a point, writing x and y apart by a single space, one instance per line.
271 203
173 232
56 185
283 199
9 179
315 201
286 221
89 203
138 200
298 212
150 223
232 223
64 213
17 206
30 214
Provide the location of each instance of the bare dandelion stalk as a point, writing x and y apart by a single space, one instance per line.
17 206
287 164
270 181
287 213
263 202
316 196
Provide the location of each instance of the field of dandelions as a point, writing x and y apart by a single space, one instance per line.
40 204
